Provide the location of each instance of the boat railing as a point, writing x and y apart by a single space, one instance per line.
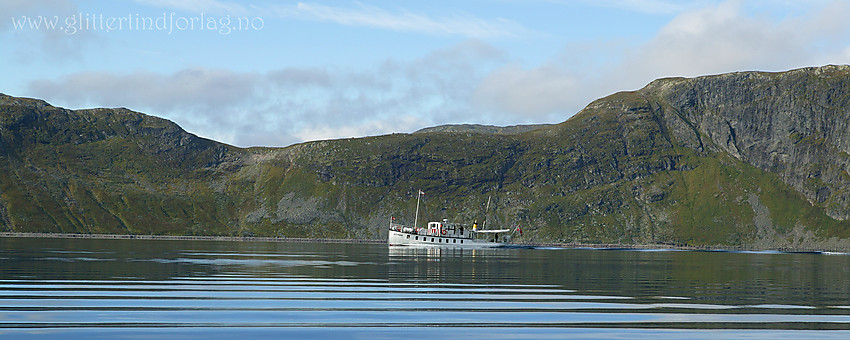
396 227
402 228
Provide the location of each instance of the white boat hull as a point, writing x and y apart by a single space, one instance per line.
398 238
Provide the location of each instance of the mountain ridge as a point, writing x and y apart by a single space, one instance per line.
480 128
745 159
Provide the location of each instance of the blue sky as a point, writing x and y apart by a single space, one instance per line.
274 73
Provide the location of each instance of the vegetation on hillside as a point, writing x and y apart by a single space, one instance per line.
752 160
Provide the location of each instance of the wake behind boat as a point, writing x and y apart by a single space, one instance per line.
445 234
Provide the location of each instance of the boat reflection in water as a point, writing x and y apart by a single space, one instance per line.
432 253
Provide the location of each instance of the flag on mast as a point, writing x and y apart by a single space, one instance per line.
421 192
519 229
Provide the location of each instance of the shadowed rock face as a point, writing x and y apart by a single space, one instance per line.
795 124
746 159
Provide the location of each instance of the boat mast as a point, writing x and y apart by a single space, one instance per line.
483 224
416 217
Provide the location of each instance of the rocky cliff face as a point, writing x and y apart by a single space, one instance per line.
795 124
750 159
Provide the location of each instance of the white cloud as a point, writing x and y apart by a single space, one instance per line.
471 82
720 38
207 88
726 38
29 24
458 24
533 92
291 105
209 102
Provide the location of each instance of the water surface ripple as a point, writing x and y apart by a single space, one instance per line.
75 288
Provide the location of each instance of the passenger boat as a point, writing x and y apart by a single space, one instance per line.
445 234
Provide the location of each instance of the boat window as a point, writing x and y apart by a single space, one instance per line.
417 238
461 241
461 230
408 236
432 239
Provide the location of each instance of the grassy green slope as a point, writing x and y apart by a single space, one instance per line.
105 171
611 174
617 172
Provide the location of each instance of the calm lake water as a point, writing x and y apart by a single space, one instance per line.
81 288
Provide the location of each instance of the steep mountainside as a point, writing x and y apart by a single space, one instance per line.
749 159
795 124
107 171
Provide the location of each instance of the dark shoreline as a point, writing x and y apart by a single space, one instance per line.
185 238
597 246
